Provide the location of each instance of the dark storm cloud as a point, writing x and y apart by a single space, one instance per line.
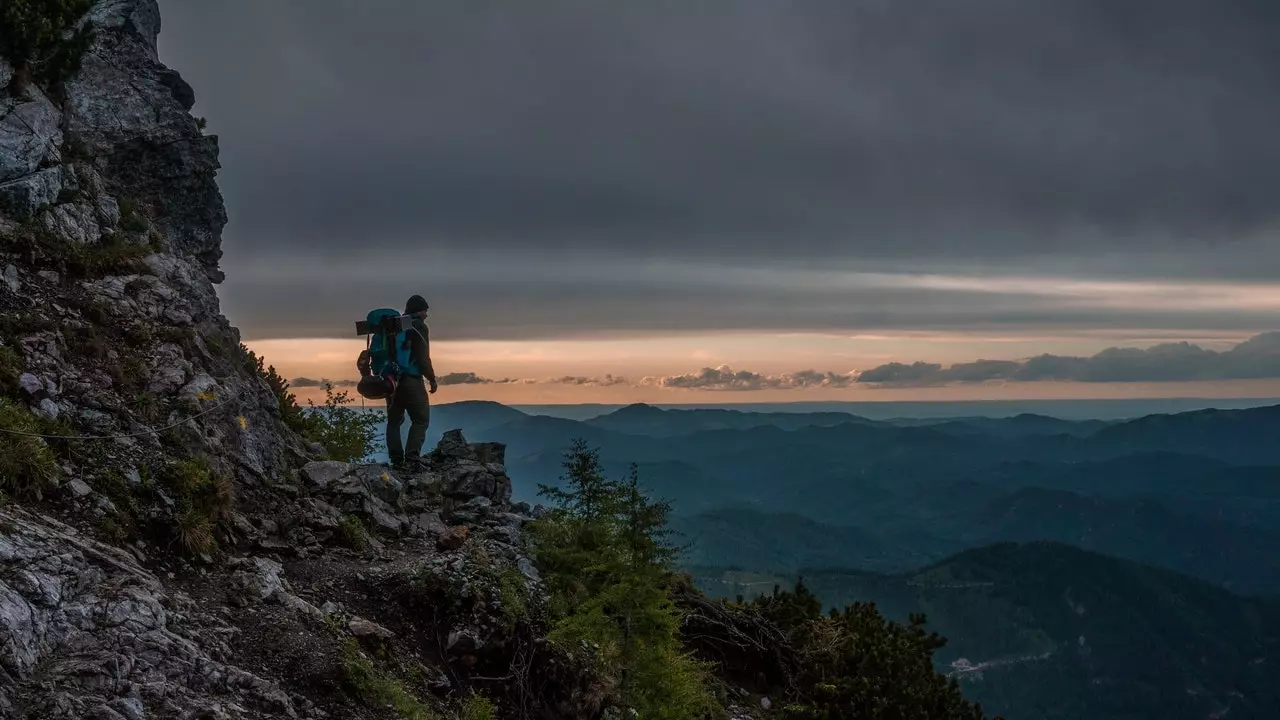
1020 136
1258 357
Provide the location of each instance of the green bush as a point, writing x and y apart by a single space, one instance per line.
353 533
476 707
606 561
202 496
28 466
10 370
380 689
40 39
347 434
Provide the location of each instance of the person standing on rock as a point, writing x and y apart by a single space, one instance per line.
411 393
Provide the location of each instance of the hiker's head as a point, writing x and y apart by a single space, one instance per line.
417 305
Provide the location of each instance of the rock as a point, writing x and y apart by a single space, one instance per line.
383 520
526 568
31 386
464 641
453 447
48 408
765 703
380 483
24 196
168 370
478 504
320 514
11 281
453 538
259 581
86 628
363 628
323 473
30 133
426 525
79 488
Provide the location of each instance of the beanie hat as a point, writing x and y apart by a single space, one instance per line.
416 304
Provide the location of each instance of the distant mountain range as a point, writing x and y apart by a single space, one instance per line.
1078 623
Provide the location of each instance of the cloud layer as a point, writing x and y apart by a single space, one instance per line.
1256 358
566 167
1259 357
726 378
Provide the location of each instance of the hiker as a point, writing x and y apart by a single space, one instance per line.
411 392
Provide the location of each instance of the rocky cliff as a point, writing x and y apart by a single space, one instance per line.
168 547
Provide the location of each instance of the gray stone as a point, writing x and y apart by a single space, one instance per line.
323 473
11 280
130 708
363 628
31 385
464 641
260 580
379 482
29 135
48 408
168 370
24 196
74 221
478 504
765 703
384 520
526 568
320 514
79 488
427 525
84 626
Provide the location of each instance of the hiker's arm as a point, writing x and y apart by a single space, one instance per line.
424 356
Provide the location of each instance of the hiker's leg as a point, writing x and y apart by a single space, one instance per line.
419 408
395 418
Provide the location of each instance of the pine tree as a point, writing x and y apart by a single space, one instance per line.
607 561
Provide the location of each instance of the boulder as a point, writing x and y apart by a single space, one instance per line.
323 473
453 538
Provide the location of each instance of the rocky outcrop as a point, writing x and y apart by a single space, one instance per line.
110 231
87 632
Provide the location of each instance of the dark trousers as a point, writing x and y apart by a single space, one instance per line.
410 397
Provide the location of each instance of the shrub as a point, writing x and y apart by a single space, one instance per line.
347 434
353 532
606 561
34 38
10 370
476 707
202 497
28 466
379 689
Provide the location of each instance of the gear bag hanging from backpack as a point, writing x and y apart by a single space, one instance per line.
387 356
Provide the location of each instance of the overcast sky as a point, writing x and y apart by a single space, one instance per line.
559 169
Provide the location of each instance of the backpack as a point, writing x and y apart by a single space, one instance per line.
385 359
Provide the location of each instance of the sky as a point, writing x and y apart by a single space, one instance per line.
747 200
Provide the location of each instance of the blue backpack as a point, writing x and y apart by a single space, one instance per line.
386 358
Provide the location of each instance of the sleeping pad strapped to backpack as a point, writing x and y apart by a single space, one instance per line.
386 357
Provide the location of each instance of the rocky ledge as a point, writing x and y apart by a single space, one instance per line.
88 631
